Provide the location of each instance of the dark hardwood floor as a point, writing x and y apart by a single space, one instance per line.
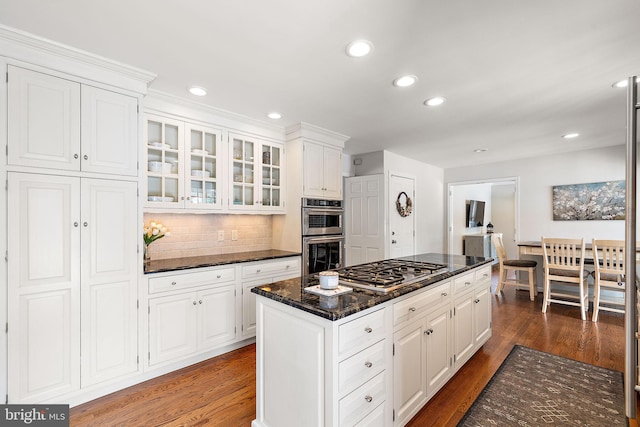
221 391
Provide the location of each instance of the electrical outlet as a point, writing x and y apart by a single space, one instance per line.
234 234
220 235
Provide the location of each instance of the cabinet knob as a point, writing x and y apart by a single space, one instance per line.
218 276
194 303
200 302
258 270
393 242
467 283
173 283
412 309
444 294
75 224
188 197
86 157
428 331
368 364
85 223
476 301
75 156
368 398
368 330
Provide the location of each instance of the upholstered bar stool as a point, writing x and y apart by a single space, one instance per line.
515 265
564 265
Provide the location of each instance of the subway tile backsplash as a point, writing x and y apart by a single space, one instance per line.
197 234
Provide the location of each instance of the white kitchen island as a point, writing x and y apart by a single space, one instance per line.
374 359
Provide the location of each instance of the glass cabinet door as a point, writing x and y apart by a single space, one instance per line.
271 177
163 142
203 168
244 166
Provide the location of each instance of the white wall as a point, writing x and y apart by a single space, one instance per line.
538 175
503 215
429 200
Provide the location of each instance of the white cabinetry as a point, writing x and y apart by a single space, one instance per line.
258 274
62 124
190 313
183 165
256 173
51 218
472 313
422 349
322 170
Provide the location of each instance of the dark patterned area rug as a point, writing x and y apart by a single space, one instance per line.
533 388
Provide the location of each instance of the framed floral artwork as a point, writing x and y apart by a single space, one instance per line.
585 202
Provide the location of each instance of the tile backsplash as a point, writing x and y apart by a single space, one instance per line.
197 234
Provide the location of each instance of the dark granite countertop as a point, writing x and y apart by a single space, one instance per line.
173 264
291 292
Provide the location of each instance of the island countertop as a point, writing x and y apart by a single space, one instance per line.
291 292
173 264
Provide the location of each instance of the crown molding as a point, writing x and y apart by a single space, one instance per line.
317 134
27 47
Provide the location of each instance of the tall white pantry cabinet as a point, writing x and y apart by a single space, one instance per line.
73 223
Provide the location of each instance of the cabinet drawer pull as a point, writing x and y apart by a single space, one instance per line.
485 275
287 267
200 302
258 270
368 330
86 157
173 283
85 223
218 276
75 224
467 283
368 398
368 364
444 294
476 301
194 303
428 331
75 156
412 309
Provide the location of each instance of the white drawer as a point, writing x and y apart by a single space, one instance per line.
464 282
188 280
377 418
272 268
361 332
363 400
484 273
361 367
417 305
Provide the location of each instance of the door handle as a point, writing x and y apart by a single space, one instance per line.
393 242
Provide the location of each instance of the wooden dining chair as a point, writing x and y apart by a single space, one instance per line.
515 265
608 258
564 265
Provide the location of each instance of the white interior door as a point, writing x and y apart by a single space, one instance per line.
364 213
401 229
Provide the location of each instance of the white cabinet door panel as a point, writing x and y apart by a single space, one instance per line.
438 349
46 346
43 120
463 328
482 314
410 378
313 170
332 173
44 236
172 327
109 281
216 316
109 132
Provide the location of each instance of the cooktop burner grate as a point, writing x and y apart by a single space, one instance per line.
387 275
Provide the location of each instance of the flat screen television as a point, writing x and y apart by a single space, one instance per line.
475 213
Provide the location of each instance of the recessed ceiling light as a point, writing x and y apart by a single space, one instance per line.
405 81
435 101
198 90
274 115
480 150
359 48
571 135
624 83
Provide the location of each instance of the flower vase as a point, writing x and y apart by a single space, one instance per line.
147 258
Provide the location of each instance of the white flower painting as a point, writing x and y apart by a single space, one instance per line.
584 202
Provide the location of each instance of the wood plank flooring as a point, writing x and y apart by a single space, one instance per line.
221 391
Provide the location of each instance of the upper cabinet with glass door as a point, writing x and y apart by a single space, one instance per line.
256 174
203 168
163 146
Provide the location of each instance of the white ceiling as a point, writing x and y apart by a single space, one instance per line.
517 74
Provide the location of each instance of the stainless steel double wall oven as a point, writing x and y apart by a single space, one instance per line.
322 235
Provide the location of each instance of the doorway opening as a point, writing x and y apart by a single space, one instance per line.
501 197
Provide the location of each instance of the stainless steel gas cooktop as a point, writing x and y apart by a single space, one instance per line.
388 275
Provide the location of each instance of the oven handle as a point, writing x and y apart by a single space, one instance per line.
323 211
323 239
